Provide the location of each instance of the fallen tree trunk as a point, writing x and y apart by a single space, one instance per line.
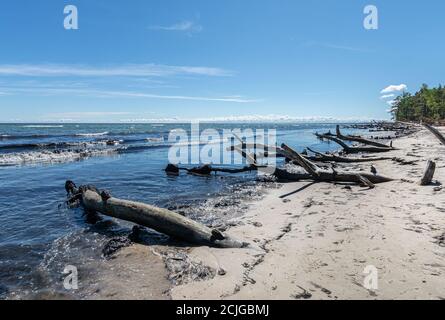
429 173
359 139
161 220
349 149
436 133
320 157
322 175
207 170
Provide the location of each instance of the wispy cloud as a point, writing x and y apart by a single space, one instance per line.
394 88
128 94
335 46
387 96
128 70
183 26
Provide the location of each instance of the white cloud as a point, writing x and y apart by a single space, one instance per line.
128 70
387 96
184 26
394 88
391 103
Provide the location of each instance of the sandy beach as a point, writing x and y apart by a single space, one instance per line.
317 242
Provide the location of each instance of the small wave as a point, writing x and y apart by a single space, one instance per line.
92 134
57 145
155 139
56 156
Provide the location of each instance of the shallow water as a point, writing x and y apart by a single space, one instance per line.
39 236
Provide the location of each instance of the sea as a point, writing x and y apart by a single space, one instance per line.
40 235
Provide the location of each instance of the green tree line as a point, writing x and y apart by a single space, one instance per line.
426 105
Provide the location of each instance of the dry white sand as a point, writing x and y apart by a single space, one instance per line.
316 243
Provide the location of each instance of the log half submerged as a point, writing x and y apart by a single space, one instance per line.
161 220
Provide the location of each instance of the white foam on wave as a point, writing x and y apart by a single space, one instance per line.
92 134
161 139
36 157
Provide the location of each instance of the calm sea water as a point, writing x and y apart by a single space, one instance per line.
39 235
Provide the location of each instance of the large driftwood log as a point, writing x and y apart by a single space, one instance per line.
322 175
321 157
161 220
349 149
436 133
207 170
429 173
359 139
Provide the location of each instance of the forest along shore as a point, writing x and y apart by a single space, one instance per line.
316 243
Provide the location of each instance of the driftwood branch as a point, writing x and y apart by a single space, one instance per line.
436 132
366 181
307 165
321 157
207 170
349 149
359 139
161 220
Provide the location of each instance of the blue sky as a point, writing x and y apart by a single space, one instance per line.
139 59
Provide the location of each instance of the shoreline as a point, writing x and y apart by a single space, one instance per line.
317 243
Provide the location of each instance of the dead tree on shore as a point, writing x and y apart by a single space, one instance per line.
162 220
349 149
359 139
322 157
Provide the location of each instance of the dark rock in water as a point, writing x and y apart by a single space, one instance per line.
114 245
172 169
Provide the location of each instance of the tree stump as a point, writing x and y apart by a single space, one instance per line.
429 173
